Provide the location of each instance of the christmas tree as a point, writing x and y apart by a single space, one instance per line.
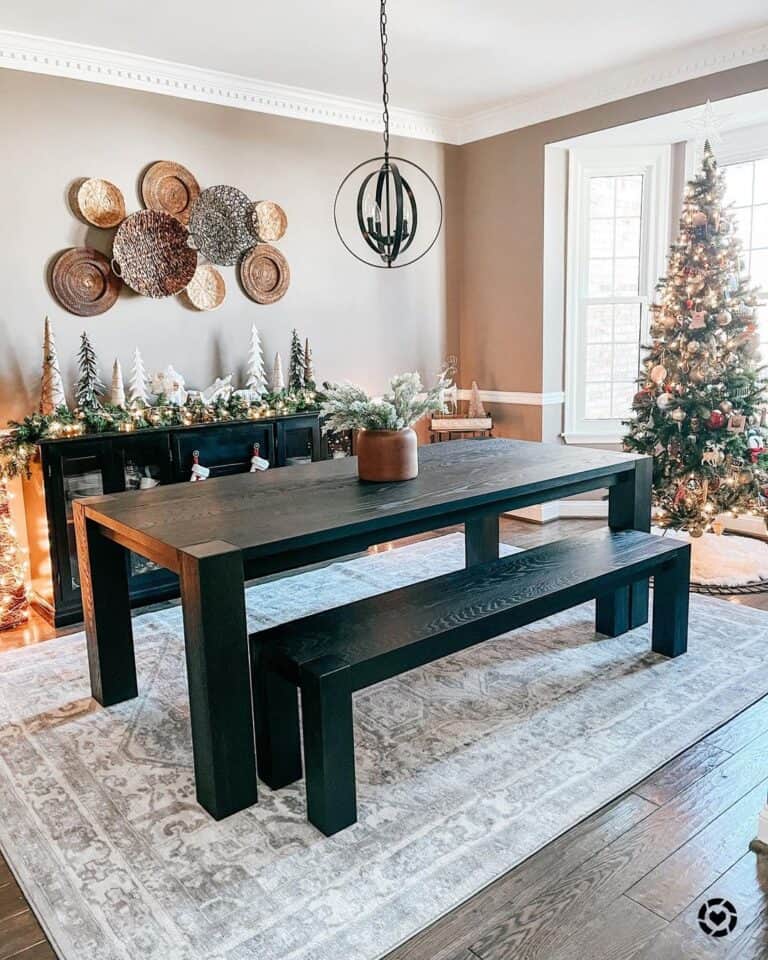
117 393
14 602
256 380
138 388
697 410
52 388
89 388
309 369
296 364
277 382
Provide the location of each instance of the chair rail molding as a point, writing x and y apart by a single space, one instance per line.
47 55
60 58
517 398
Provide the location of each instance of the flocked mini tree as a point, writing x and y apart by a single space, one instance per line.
698 410
90 389
256 377
138 388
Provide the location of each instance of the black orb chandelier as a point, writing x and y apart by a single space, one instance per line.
385 228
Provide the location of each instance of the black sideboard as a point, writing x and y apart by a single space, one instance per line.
69 468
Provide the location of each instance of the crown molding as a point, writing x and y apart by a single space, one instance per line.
59 58
19 51
689 63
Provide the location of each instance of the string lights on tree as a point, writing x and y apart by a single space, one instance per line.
14 599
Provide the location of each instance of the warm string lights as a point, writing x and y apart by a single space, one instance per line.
701 409
14 599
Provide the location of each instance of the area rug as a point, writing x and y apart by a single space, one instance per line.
465 767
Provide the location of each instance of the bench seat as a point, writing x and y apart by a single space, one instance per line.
331 654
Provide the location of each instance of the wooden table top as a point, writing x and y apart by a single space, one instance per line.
304 505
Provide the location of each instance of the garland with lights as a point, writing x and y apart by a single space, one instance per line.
701 408
17 448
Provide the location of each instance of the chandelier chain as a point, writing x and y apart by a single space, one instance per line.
384 74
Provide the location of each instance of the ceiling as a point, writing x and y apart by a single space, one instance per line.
447 57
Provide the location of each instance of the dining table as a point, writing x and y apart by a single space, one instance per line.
219 534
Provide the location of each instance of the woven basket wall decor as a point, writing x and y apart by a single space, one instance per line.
100 202
83 282
268 220
220 224
151 253
206 290
264 273
170 188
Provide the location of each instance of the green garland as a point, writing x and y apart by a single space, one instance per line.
17 448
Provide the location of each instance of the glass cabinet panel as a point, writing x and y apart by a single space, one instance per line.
80 477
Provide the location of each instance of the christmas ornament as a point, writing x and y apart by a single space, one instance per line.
169 383
52 386
724 318
664 401
726 406
678 415
698 320
658 373
716 420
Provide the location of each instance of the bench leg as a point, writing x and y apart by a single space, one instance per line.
671 586
481 539
276 718
329 746
613 612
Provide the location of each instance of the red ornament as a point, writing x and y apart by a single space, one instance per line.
756 452
689 303
716 420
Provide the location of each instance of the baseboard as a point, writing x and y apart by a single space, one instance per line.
541 513
583 509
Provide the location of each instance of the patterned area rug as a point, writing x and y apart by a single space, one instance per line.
465 768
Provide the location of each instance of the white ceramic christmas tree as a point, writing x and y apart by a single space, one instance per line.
117 393
256 380
52 387
277 383
138 389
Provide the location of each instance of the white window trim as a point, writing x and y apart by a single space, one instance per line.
654 162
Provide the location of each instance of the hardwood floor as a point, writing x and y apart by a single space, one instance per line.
625 884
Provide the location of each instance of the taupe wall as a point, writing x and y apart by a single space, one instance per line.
505 341
364 324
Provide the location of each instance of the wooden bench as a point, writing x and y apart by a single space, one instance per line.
330 655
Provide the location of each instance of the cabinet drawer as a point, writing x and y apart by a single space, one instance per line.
225 450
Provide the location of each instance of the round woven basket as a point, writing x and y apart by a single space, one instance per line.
206 290
83 283
269 221
265 274
101 203
168 187
152 254
220 224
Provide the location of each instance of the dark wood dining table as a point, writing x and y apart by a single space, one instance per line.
218 534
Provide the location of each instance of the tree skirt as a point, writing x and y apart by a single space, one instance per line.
725 561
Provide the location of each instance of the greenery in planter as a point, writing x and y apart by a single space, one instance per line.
347 407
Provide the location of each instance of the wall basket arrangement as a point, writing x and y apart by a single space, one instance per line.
155 251
83 282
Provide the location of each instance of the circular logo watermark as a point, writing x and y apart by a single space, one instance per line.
717 917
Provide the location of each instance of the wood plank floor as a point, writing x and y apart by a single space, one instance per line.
625 884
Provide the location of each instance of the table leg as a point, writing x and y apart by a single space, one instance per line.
629 508
481 538
106 611
218 672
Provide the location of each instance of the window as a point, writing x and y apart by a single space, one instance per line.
747 190
615 231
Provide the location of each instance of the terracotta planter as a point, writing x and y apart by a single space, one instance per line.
384 456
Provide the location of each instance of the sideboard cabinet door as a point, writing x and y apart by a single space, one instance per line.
225 450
